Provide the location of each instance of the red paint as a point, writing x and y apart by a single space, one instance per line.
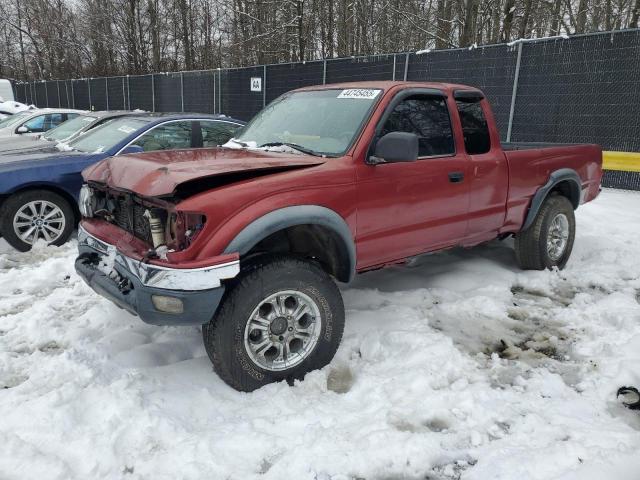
394 211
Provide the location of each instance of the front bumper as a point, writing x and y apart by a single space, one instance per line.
132 284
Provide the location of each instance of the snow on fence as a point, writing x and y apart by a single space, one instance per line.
584 88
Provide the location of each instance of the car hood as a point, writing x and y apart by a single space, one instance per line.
13 144
157 174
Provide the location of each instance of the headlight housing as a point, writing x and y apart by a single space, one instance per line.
86 201
183 228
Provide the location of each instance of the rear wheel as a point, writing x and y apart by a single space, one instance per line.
281 319
27 217
548 242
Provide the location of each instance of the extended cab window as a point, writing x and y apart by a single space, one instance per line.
428 118
166 137
474 127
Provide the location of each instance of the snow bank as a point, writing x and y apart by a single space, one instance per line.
458 366
14 107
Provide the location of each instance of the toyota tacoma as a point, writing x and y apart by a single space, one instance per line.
248 239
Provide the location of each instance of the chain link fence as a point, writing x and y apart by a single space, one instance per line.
585 88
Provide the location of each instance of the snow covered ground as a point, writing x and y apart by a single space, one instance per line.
459 366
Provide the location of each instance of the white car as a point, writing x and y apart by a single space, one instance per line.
35 122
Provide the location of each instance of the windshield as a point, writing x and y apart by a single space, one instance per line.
321 121
13 119
106 136
69 128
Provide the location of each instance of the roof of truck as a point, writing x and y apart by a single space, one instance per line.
387 84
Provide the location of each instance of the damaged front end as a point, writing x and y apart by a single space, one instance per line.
158 223
132 269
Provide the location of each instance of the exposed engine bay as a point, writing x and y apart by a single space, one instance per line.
156 222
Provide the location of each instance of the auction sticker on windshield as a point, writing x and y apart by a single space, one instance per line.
126 129
365 93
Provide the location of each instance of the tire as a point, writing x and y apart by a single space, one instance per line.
534 249
45 202
231 339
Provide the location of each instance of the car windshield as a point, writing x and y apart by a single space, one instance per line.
321 122
69 128
106 136
13 119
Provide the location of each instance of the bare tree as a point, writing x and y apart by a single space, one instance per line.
43 39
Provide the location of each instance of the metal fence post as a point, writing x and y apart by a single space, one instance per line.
324 72
406 66
219 90
153 92
46 92
66 91
128 94
514 92
106 91
182 91
393 77
73 96
89 88
124 98
264 85
213 73
59 101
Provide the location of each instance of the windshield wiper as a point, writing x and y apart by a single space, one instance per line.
242 144
295 146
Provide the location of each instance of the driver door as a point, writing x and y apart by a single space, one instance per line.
409 208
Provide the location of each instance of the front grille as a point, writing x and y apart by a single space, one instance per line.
129 215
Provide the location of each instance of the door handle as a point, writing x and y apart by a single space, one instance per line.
456 177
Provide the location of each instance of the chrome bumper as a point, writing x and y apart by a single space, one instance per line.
179 279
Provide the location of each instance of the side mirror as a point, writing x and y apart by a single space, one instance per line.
22 129
396 147
132 149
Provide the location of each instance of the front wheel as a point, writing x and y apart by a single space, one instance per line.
282 318
548 242
33 215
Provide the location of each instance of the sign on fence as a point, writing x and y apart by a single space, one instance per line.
256 84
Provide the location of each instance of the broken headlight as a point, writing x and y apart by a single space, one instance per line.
86 201
183 228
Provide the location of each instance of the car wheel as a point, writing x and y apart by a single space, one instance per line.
279 320
27 217
548 242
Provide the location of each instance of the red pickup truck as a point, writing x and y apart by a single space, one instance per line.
326 182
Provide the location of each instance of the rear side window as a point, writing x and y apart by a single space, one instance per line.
217 133
428 118
52 120
474 127
169 136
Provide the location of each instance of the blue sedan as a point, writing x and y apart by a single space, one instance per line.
39 190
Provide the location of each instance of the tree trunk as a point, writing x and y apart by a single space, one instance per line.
509 8
635 15
581 16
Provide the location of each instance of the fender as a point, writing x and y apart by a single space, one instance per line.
564 174
286 217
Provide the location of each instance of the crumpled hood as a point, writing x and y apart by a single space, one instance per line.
156 174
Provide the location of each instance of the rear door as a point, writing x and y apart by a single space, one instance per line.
409 208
